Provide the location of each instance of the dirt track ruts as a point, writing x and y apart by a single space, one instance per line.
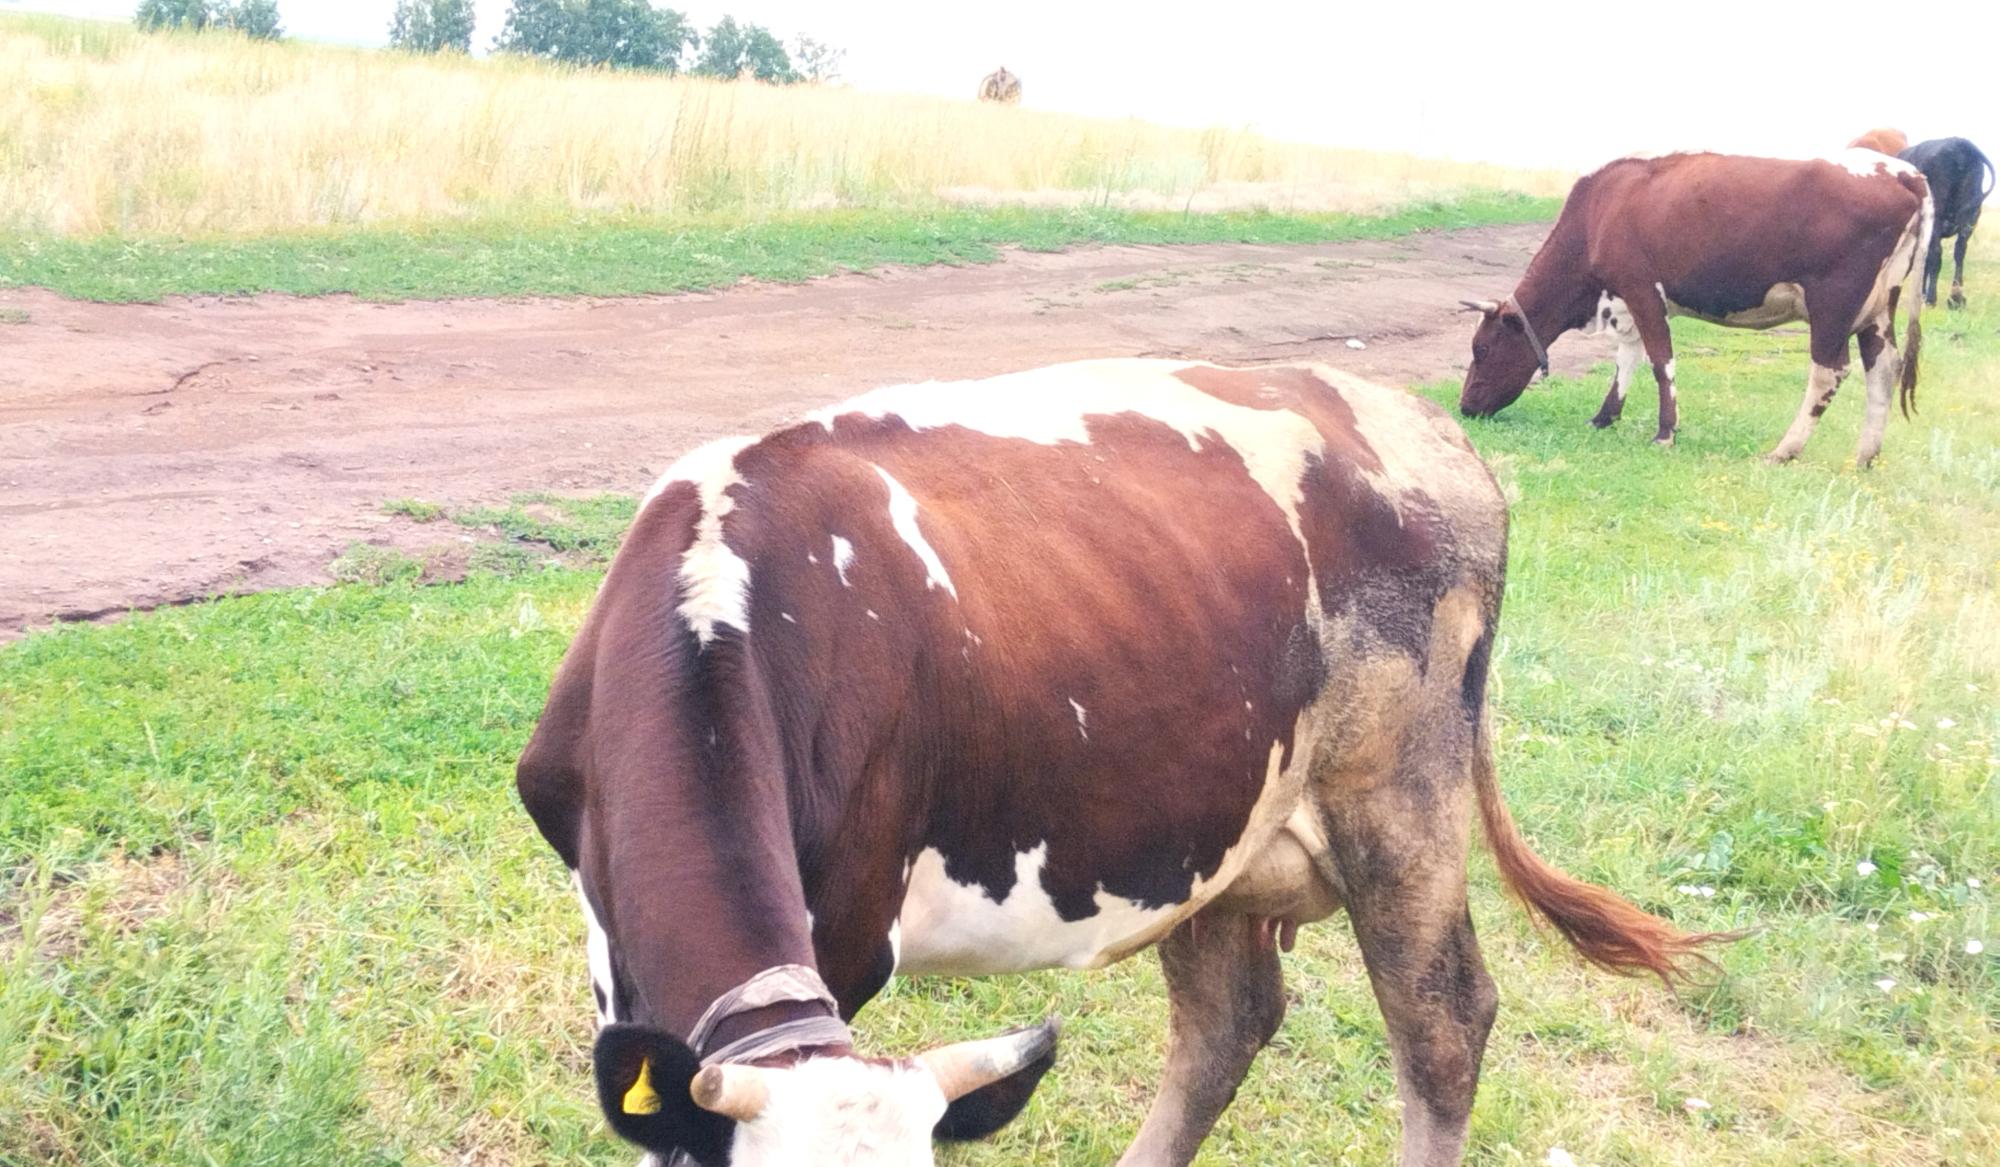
154 454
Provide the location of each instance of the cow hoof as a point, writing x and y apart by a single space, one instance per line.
1663 439
1602 422
1957 300
1777 458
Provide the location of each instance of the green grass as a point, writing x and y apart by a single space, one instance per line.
269 897
615 257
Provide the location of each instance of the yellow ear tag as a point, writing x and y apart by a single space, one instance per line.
641 1099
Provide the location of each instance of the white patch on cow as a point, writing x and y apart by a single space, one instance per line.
1670 369
715 581
958 929
1611 316
903 516
597 954
843 1110
1082 721
1054 405
872 615
1856 160
895 945
1404 433
787 618
843 558
1865 163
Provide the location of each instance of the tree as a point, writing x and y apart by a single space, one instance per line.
628 34
154 15
817 61
535 28
624 34
731 49
256 19
432 26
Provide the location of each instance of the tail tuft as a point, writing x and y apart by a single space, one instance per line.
1913 342
1603 927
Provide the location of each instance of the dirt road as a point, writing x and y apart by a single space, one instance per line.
154 454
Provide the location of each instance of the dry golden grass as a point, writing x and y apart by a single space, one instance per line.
104 130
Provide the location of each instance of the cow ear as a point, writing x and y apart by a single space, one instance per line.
994 1105
1512 320
643 1076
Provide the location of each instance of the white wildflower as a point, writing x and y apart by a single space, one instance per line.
1974 948
1872 926
1864 869
1697 1104
1905 723
1946 723
1921 917
1972 881
1557 1157
1886 983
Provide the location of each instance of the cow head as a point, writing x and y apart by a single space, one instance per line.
1504 360
849 1110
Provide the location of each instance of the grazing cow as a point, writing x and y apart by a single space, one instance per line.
1882 140
1960 178
1036 672
1746 242
1000 86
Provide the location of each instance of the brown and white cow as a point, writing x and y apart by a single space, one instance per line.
1035 672
1745 242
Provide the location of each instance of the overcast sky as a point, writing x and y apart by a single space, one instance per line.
1532 83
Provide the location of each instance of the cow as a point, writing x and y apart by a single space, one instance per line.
1031 672
1000 86
1744 242
1882 140
1960 177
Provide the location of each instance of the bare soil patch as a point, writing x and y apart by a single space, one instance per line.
158 454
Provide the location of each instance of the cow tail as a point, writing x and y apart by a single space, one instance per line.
1604 928
1913 337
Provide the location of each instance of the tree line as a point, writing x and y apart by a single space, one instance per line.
257 19
618 34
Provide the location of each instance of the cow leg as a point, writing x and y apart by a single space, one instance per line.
1830 301
1400 848
1630 347
1821 384
1226 996
1881 365
1958 269
1649 318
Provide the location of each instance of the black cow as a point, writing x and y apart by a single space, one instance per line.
1959 177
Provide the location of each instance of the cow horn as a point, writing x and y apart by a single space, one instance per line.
737 1092
966 1066
1489 307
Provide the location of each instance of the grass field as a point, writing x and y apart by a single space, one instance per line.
630 255
269 897
107 132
